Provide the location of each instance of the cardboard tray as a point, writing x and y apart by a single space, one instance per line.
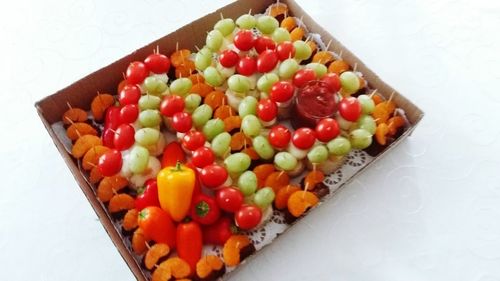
81 93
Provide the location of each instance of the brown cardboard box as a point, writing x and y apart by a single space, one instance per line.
80 94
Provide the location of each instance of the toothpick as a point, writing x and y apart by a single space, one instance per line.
221 16
340 54
250 11
328 45
177 46
373 93
91 164
69 120
69 105
355 67
300 20
392 95
197 48
147 245
157 49
124 77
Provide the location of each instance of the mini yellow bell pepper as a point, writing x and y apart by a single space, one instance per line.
175 189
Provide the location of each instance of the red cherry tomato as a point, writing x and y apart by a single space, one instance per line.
281 91
193 140
213 176
218 232
157 63
147 195
327 129
112 118
129 113
350 108
279 136
124 137
130 94
267 61
136 72
110 163
172 154
285 50
303 76
203 156
171 105
108 137
204 209
246 66
267 110
333 81
264 43
303 138
182 122
229 199
244 40
228 58
248 217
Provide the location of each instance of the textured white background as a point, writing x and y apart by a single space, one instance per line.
428 211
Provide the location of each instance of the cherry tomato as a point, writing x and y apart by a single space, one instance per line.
327 129
279 136
136 72
171 105
281 91
267 110
157 63
204 209
244 40
172 154
112 118
264 43
108 136
285 50
182 122
129 113
228 58
147 195
110 163
218 232
213 176
248 217
267 61
303 76
246 66
333 81
124 137
350 108
203 156
130 94
303 138
193 140
229 199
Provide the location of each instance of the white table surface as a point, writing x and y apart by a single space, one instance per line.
428 211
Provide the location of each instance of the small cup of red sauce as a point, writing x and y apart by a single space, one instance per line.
313 102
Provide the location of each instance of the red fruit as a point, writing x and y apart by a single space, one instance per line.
182 122
203 156
246 66
108 137
130 94
157 63
171 105
285 50
303 76
264 43
213 176
279 136
281 91
189 241
327 129
267 61
229 199
244 40
333 81
110 163
147 195
124 137
129 113
219 232
350 108
303 138
171 154
248 217
228 58
204 209
136 72
267 110
112 118
193 140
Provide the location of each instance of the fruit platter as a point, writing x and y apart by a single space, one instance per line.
198 150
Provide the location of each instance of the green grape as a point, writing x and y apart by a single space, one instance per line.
319 69
285 161
201 115
247 183
181 86
302 50
288 68
281 35
339 146
349 81
212 128
262 147
238 83
246 21
343 124
138 159
264 197
267 24
191 102
225 26
149 118
213 77
250 125
147 136
367 104
368 123
318 154
203 60
220 144
149 102
214 40
247 106
154 86
360 138
237 162
266 82
225 72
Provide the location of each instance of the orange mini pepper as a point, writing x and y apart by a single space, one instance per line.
175 190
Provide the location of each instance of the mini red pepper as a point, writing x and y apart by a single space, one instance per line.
219 232
172 154
190 243
204 209
157 225
147 195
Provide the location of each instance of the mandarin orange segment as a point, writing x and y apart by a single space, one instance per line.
377 99
338 67
139 241
250 151
232 122
312 45
196 78
179 57
207 264
262 172
232 247
83 144
109 186
185 69
300 201
281 200
224 111
178 267
297 34
91 157
95 175
394 123
278 9
202 89
381 113
130 220
121 202
155 253
77 130
381 132
312 178
215 99
362 82
99 105
277 180
288 23
238 141
162 272
74 115
323 57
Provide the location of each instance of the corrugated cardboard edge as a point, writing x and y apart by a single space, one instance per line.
50 109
